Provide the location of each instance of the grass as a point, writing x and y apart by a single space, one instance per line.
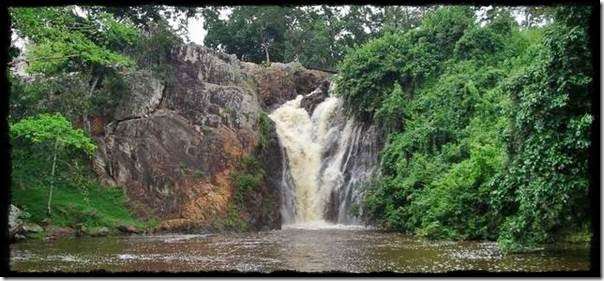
92 205
79 199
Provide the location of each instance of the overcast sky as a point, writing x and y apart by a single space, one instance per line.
196 31
195 26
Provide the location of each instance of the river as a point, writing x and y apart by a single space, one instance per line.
319 249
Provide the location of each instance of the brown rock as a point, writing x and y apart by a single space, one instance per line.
129 229
172 144
310 101
58 232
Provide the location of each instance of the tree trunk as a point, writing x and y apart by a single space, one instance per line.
52 175
85 119
266 52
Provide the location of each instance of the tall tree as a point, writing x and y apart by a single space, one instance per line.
545 187
56 134
316 36
145 17
81 50
253 33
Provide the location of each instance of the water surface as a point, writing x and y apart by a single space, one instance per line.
308 250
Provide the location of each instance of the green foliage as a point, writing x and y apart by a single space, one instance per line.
316 36
78 198
77 59
90 205
245 37
265 126
247 181
247 178
232 221
549 138
80 59
153 51
145 17
50 129
408 59
487 126
65 42
389 113
55 134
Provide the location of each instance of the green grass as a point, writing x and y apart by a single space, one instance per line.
92 205
79 199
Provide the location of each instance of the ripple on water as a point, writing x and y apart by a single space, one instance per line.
172 238
483 251
321 248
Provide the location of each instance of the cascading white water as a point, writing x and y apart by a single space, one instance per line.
319 174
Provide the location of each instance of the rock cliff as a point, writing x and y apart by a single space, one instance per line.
173 142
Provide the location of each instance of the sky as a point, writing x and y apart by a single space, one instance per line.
196 30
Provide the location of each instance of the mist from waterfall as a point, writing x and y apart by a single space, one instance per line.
327 158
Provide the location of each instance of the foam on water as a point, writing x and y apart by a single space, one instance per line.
321 224
324 163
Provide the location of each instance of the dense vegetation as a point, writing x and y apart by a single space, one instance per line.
316 36
77 62
488 125
487 121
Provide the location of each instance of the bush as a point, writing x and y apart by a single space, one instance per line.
489 143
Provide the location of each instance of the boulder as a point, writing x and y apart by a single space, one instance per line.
14 222
54 232
98 231
32 228
145 94
281 82
310 101
129 229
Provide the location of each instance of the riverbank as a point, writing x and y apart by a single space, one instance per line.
92 210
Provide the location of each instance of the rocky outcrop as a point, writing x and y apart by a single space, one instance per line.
264 208
173 142
310 101
280 82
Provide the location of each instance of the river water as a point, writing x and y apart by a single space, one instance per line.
310 249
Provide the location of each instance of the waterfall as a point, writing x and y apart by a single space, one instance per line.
327 158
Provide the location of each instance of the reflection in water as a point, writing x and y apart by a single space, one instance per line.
322 249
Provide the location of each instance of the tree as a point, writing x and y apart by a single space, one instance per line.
401 18
145 17
369 73
251 32
546 184
487 126
66 44
316 36
55 132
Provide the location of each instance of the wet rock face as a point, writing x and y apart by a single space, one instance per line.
173 142
310 101
269 197
280 82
